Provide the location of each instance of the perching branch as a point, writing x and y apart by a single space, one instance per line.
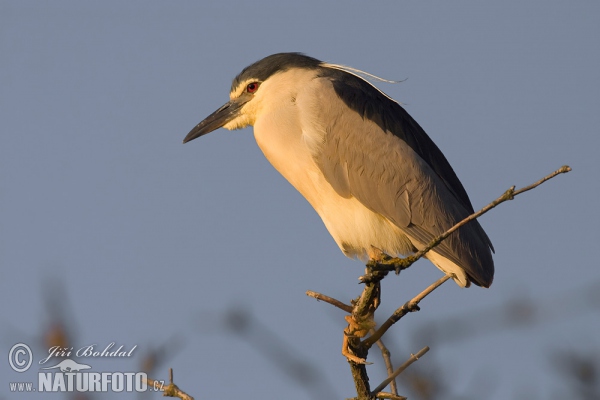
397 264
360 322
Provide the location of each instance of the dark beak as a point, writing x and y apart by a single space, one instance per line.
228 112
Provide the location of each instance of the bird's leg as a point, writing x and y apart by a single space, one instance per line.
361 320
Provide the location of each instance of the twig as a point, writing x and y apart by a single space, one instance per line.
398 264
382 395
410 306
412 359
387 359
171 390
562 170
330 300
391 396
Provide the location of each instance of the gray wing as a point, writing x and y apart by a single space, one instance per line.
383 158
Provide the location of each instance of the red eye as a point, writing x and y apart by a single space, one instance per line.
252 87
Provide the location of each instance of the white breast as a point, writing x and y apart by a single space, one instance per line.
288 148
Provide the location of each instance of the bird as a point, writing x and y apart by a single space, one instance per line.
369 170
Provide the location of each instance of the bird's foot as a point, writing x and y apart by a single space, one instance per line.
356 329
346 352
359 327
382 262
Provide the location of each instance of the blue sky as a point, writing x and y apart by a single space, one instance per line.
144 239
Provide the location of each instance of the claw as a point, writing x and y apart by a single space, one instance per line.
356 329
346 352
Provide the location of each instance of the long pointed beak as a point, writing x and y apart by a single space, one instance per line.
228 112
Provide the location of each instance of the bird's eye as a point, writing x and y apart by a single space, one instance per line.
252 87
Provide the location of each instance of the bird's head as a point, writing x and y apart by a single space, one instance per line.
257 86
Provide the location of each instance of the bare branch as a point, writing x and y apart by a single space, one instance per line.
398 264
407 363
562 170
387 359
329 300
391 396
409 306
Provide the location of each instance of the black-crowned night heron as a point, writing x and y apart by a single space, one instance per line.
368 169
